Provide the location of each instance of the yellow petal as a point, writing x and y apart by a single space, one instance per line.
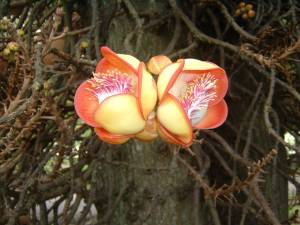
134 62
157 63
172 116
170 138
120 114
195 64
147 93
165 77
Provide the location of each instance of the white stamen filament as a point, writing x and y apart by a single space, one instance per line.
199 93
109 83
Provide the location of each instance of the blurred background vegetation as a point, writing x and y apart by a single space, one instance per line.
54 169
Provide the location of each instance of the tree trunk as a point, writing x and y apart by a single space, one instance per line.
55 170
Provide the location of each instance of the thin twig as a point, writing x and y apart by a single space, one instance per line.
267 109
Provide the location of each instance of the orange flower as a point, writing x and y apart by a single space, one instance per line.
119 99
191 96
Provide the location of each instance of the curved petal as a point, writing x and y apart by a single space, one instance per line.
150 131
119 114
111 138
166 136
170 138
167 77
196 64
147 93
125 63
214 117
173 117
134 62
121 68
86 103
203 68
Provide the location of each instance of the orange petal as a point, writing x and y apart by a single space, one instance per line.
173 117
214 117
111 138
86 103
167 78
150 132
147 93
118 62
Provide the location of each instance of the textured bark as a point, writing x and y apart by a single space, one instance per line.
54 169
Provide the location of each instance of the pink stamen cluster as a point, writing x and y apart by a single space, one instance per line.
111 83
199 93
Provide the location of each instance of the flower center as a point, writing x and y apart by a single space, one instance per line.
199 92
109 83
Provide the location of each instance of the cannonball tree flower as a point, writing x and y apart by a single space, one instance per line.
190 96
119 99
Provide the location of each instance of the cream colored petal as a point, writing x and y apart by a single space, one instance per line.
134 62
172 116
165 77
148 92
195 64
119 114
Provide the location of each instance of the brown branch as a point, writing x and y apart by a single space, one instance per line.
174 40
232 22
67 57
264 204
226 191
290 50
138 28
198 34
253 171
67 33
195 174
183 51
227 148
267 109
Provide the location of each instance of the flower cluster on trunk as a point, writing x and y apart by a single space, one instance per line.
120 100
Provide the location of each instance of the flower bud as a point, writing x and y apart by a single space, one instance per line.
157 63
249 6
13 46
245 16
6 52
237 12
242 4
20 33
243 9
4 23
251 14
84 44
